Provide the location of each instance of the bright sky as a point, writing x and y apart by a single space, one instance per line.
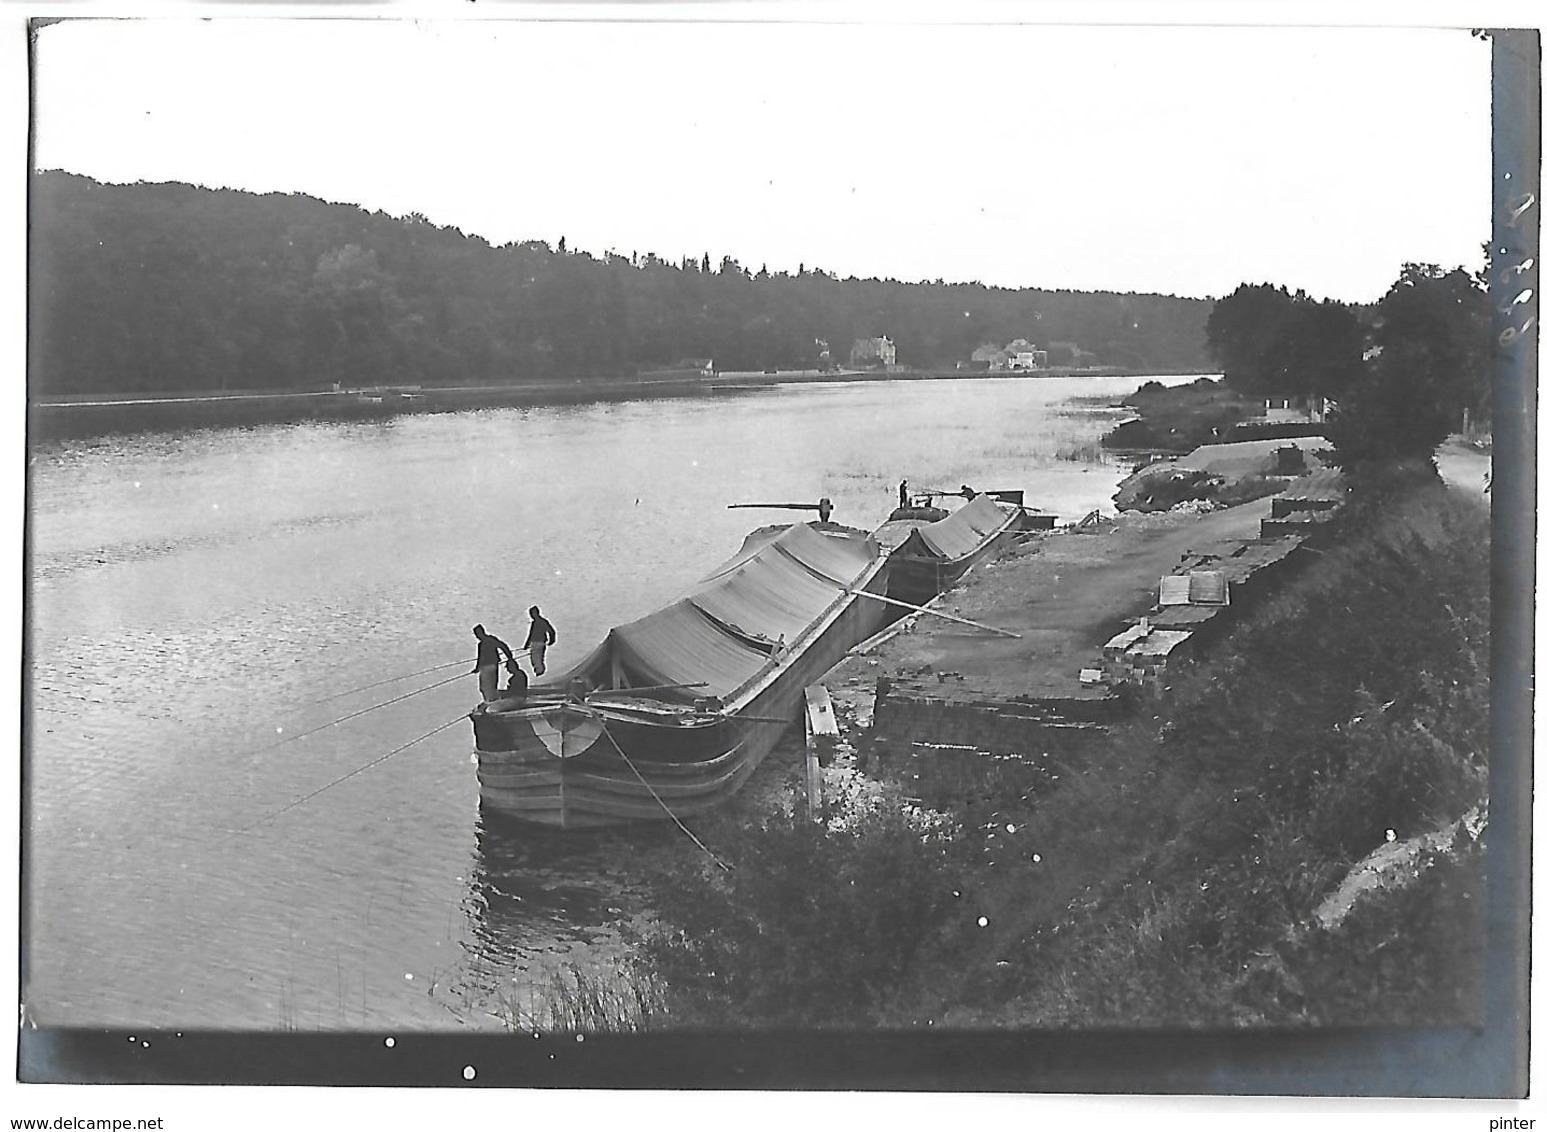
1182 160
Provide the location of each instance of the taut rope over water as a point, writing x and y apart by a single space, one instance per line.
390 680
351 774
406 676
357 714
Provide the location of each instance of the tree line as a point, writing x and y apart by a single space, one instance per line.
175 287
1402 374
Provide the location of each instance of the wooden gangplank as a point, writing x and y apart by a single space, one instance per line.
821 735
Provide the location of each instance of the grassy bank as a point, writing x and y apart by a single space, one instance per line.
1184 868
1182 874
1179 418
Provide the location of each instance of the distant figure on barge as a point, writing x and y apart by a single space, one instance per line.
516 689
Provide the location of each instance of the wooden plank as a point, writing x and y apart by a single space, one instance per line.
1208 587
819 712
821 731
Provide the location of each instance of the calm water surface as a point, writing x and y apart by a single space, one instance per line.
198 597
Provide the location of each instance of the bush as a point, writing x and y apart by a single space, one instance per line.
1181 868
1410 955
816 925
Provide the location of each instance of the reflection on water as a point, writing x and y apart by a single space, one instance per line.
533 886
200 599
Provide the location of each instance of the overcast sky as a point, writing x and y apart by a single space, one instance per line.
1182 160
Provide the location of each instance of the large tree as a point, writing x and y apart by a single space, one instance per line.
1319 351
1244 335
1271 343
1429 364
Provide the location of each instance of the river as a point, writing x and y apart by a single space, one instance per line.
199 601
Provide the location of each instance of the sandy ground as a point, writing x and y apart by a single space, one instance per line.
1065 594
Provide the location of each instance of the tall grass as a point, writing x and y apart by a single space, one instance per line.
1089 452
572 999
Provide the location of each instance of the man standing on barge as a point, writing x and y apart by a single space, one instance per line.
538 638
487 666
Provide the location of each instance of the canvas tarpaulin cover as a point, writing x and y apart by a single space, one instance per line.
723 633
961 532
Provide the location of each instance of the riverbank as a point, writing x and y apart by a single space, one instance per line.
1175 419
62 417
1174 870
1160 855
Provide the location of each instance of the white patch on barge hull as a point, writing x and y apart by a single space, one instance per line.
565 742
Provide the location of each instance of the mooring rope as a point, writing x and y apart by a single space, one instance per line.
351 774
357 714
405 676
390 680
691 836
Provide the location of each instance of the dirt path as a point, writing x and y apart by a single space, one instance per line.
1463 466
1064 593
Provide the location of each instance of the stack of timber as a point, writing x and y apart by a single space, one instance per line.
1138 654
1195 597
1311 502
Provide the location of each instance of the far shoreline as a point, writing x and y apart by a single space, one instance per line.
87 415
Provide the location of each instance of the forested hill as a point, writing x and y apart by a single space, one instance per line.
170 287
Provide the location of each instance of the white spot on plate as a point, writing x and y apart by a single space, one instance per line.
468 1072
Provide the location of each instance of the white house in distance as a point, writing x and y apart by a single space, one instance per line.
1018 355
1023 355
873 353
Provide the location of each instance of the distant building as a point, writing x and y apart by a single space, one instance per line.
989 357
1296 410
873 353
1024 355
